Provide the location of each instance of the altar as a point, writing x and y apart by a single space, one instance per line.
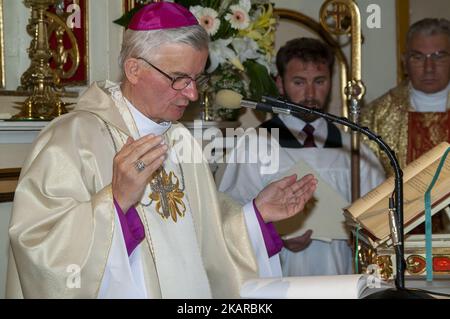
426 258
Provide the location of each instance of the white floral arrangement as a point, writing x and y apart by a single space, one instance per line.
241 50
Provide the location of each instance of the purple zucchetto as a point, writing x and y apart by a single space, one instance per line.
161 15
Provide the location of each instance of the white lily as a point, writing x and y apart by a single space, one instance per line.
220 53
245 48
246 4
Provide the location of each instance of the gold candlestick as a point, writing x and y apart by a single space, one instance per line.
40 79
207 107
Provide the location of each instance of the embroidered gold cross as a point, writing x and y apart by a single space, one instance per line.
167 195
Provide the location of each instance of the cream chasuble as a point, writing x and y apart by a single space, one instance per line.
66 240
173 238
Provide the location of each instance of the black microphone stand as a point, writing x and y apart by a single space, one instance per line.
297 109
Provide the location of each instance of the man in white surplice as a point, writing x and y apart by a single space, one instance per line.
305 66
110 204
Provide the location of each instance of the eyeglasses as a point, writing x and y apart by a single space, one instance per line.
178 83
418 58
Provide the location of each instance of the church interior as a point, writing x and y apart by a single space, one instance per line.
74 43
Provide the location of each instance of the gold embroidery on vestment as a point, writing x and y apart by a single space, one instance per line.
167 195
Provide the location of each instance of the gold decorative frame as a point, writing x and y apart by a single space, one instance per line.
2 49
316 27
8 182
130 4
81 76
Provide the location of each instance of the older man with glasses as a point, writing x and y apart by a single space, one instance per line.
108 204
419 106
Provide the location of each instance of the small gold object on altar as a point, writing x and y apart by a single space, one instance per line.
40 80
368 219
207 111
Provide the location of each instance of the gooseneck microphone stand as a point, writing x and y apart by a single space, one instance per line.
278 106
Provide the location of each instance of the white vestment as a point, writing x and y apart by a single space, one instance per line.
67 241
243 180
192 282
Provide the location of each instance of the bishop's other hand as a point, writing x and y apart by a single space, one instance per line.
285 198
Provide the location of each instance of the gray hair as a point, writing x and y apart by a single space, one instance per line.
428 27
145 43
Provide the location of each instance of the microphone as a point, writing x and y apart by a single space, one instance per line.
263 106
232 100
392 223
228 99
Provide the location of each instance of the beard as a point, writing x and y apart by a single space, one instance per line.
310 103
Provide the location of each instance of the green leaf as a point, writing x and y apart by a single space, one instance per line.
125 19
261 83
188 3
225 31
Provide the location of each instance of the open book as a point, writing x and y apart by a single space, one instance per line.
313 287
371 210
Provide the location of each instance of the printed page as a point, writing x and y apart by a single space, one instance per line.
311 287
